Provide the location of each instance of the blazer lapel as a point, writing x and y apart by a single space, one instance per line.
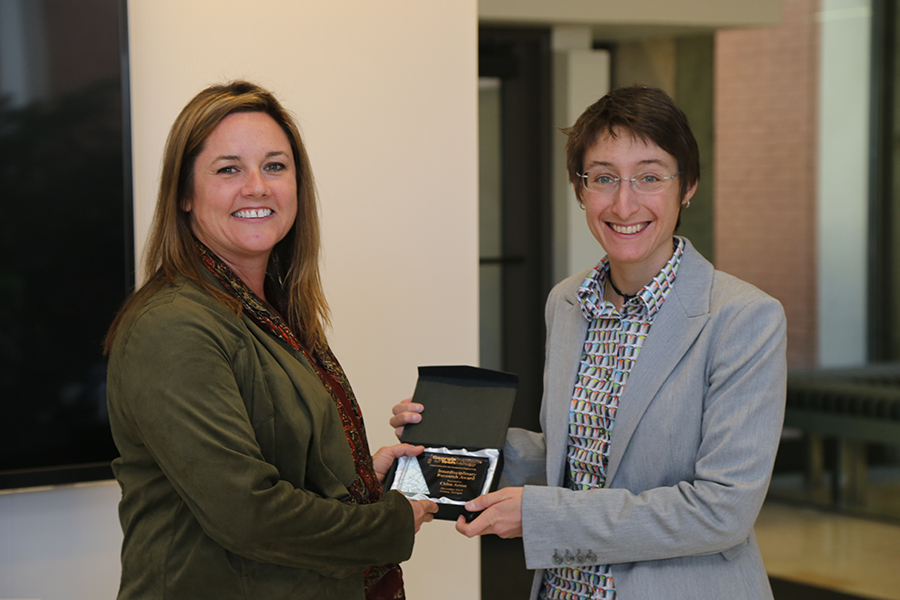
569 328
677 325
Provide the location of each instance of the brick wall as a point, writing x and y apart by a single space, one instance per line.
765 157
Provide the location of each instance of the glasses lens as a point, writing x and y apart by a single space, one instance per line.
650 182
598 181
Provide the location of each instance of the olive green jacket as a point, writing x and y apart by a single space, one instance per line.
234 464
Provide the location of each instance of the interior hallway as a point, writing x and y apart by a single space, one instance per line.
840 556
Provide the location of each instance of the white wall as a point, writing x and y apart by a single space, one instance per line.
843 172
386 96
581 76
60 544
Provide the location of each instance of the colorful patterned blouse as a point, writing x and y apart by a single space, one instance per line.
611 348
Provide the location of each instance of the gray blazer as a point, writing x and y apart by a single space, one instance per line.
692 450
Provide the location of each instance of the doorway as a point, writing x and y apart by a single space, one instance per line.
515 245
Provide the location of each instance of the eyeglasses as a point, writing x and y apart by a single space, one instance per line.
601 182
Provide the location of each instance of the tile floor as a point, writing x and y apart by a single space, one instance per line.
849 554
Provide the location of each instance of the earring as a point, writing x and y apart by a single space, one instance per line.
687 204
581 205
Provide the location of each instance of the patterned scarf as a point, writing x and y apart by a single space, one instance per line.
384 582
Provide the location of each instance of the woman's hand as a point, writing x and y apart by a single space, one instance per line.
384 458
405 413
423 511
502 514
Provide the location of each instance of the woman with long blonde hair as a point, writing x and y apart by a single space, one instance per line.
244 467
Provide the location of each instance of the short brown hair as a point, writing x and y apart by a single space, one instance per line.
650 115
294 262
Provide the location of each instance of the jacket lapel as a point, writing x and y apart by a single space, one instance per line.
674 331
565 349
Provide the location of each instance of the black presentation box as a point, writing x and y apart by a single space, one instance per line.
466 409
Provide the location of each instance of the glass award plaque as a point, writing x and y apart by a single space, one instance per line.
446 476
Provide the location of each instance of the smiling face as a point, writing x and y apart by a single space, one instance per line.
244 197
634 228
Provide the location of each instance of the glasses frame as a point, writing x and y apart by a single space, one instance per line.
632 180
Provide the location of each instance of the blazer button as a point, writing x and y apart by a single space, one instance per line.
557 559
569 559
579 557
591 557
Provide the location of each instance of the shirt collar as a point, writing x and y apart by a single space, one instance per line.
645 304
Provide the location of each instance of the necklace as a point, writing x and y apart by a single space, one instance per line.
625 297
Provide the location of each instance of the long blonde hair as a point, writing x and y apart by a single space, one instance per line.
294 262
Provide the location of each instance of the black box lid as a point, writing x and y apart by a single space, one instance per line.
465 407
